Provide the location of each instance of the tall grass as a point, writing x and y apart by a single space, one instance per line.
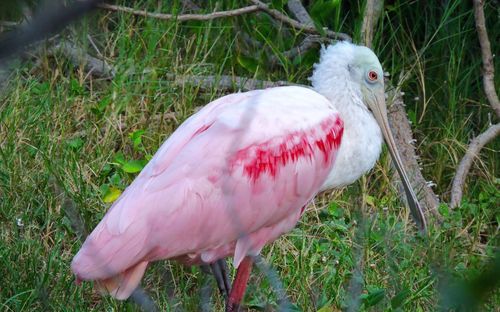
61 129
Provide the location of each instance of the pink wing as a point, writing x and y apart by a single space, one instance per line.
232 177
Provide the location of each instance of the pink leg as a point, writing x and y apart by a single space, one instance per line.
239 285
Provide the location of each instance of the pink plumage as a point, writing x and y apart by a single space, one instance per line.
232 178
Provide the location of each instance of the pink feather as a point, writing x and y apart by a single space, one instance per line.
232 178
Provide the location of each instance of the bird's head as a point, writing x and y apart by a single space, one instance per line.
346 69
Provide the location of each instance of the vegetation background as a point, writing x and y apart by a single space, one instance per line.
71 142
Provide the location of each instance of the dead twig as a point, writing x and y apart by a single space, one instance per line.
78 57
489 88
182 17
488 68
8 24
258 6
472 152
310 29
309 42
300 13
225 83
403 135
373 9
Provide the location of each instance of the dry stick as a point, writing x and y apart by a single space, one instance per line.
472 152
373 9
77 56
300 13
310 29
488 68
309 42
183 17
489 88
259 6
401 129
225 83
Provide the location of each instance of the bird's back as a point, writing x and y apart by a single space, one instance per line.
233 177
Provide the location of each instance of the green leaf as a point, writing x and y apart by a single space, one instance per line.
136 138
99 108
373 296
370 200
115 179
119 159
398 300
247 63
133 166
334 209
111 194
412 116
76 87
75 143
444 210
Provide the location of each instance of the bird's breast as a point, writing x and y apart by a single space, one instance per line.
360 148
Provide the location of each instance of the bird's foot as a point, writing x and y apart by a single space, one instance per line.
221 274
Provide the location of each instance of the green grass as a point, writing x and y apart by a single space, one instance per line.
68 138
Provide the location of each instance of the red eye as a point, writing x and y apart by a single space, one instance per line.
372 75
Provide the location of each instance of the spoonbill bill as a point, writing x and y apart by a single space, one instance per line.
237 174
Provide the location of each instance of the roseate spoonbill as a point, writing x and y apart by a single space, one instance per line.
238 174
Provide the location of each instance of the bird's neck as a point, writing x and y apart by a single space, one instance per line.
362 140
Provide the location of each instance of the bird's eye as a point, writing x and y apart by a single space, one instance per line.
372 76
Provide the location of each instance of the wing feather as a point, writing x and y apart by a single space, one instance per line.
245 162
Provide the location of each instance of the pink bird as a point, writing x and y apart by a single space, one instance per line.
238 174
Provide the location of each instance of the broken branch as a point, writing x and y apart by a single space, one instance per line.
77 57
472 152
225 83
258 6
401 129
373 8
488 68
300 13
310 29
182 17
489 88
309 42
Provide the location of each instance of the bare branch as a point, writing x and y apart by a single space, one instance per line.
371 15
259 6
488 68
310 29
401 129
300 13
225 83
8 24
183 17
309 42
493 131
77 56
472 152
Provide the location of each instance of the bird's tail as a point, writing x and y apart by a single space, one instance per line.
122 285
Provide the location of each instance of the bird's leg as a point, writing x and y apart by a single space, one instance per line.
239 285
220 272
